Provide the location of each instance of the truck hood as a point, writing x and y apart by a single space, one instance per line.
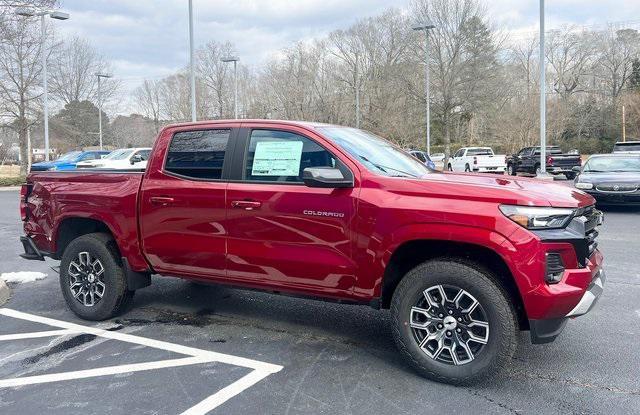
497 189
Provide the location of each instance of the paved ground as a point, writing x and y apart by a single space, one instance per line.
335 358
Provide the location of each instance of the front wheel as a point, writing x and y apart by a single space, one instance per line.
570 176
511 170
92 279
452 322
450 167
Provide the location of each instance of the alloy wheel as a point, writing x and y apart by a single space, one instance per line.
449 325
86 279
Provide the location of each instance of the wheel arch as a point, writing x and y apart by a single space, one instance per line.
414 252
71 228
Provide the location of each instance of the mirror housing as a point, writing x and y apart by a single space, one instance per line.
137 158
326 177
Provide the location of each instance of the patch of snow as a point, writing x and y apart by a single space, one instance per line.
22 276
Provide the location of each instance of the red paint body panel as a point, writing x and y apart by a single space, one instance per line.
206 229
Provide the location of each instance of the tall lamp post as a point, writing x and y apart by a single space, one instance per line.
192 69
28 12
426 27
543 98
100 75
235 60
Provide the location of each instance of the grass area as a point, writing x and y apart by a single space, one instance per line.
11 181
9 171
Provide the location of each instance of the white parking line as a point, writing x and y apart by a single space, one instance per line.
36 334
196 356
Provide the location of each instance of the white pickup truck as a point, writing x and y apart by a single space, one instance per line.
477 159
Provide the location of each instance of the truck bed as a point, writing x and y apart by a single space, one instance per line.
107 196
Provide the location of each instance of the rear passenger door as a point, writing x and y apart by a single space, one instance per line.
283 234
182 202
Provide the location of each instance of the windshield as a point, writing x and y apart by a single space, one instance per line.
620 147
70 156
119 154
479 152
613 164
377 154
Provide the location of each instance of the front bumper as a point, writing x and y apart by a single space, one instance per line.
615 198
546 330
500 169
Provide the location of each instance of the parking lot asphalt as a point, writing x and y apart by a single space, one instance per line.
334 358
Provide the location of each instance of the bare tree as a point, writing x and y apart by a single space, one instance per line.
148 96
20 77
72 73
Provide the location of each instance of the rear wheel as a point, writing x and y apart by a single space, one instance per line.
467 168
92 279
452 322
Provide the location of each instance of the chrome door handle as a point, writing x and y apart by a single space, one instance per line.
246 204
161 200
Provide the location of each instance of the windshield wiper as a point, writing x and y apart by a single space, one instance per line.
385 168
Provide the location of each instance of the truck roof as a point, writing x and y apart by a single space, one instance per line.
304 124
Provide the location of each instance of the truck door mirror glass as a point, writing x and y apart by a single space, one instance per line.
327 177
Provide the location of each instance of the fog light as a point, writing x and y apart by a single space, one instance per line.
554 267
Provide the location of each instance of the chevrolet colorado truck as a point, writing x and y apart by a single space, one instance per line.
463 261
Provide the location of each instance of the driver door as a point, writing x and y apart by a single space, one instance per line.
282 233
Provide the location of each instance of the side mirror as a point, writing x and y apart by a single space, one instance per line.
327 177
576 169
136 159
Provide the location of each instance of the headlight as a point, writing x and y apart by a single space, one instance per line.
584 186
536 218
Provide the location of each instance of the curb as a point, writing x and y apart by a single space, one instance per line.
9 188
5 293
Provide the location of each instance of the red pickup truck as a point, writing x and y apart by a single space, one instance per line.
463 261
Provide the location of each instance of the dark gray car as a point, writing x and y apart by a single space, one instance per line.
612 179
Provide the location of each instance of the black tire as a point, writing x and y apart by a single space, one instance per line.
479 282
116 296
570 176
450 167
467 168
511 170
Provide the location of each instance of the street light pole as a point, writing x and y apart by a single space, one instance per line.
543 97
28 12
426 26
43 38
235 60
100 75
191 64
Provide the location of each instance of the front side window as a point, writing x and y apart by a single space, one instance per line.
375 153
281 156
198 154
144 154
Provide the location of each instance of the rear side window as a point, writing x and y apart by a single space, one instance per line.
198 154
281 156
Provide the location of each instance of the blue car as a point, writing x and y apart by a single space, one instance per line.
69 160
423 157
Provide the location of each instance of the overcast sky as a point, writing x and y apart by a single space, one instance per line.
149 38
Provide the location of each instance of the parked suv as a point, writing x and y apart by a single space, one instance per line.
462 261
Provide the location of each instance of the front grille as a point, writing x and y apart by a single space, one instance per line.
617 187
592 218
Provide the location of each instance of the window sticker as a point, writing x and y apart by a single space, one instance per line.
277 158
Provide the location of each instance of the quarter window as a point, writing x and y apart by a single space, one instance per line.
281 156
198 154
